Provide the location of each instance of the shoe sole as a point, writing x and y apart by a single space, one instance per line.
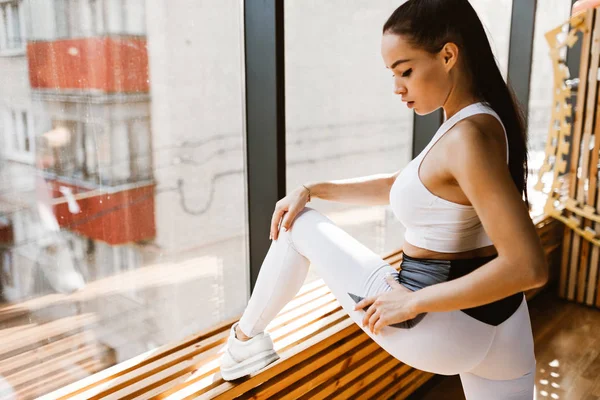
249 366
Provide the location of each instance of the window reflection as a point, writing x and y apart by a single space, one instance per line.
552 14
122 201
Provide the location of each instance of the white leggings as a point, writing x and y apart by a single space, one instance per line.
494 362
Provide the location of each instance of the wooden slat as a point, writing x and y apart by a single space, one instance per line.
585 156
7 332
49 331
594 198
43 353
373 381
333 384
66 376
575 143
311 373
405 391
394 390
47 370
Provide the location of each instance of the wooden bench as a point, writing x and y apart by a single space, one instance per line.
38 357
324 354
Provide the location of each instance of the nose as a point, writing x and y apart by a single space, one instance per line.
399 89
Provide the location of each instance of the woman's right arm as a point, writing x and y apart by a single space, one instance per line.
365 190
368 190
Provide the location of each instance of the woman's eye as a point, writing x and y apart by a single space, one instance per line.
407 73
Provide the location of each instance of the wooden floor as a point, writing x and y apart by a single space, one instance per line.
567 346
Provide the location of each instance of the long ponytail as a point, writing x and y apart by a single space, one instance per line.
430 24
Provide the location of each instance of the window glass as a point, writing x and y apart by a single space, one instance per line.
548 16
343 120
123 207
496 18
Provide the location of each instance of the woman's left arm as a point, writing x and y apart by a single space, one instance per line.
481 172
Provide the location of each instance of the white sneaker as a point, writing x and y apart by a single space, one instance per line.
242 358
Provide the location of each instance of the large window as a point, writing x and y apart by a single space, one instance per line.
127 229
343 120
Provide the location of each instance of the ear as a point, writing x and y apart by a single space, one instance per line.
449 55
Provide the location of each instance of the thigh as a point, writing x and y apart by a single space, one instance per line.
444 343
344 263
511 354
477 387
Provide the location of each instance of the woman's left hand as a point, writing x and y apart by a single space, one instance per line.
388 308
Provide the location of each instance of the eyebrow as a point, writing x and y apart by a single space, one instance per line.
398 62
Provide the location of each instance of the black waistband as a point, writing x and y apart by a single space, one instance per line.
417 273
475 261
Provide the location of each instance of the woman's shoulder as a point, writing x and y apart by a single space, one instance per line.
477 136
481 130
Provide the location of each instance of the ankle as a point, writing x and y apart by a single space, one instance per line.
240 335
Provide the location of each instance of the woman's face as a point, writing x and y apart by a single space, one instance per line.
421 78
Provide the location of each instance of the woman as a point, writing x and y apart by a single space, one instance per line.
457 306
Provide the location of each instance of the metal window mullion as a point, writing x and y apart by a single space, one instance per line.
265 121
424 128
520 51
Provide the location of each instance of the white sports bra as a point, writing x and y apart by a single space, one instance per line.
432 222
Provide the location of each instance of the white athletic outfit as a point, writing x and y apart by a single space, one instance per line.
495 360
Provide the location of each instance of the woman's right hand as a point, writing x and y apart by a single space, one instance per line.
288 208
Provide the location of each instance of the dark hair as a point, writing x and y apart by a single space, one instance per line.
430 24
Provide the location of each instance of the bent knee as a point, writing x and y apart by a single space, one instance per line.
308 217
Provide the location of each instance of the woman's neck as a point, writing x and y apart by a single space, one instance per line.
459 97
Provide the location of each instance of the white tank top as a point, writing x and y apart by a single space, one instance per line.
432 222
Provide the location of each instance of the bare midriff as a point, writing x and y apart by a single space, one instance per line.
418 252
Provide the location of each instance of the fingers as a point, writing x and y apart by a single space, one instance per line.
275 222
288 218
372 317
363 303
381 322
367 317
